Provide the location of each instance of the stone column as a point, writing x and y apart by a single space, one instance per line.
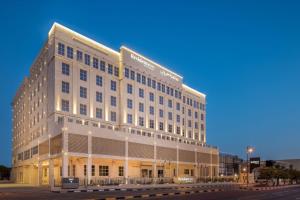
154 164
126 161
89 158
51 173
65 157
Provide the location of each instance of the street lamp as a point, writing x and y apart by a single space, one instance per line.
249 150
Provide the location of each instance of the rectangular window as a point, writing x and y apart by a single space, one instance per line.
83 92
153 84
202 117
65 87
196 115
178 118
129 103
87 59
79 55
113 116
178 130
132 75
113 85
170 103
116 71
129 88
161 100
151 123
98 80
129 118
99 97
99 113
121 171
141 93
186 171
83 75
151 110
189 123
161 126
82 109
159 86
65 105
102 65
138 77
95 63
143 80
189 112
110 69
141 121
113 101
161 113
84 170
178 106
151 96
70 52
196 125
93 170
170 116
170 128
163 88
126 72
103 170
65 69
141 107
149 82
61 49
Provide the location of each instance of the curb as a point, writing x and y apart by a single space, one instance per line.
161 194
205 188
265 188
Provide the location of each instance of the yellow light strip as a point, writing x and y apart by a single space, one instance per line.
123 47
193 90
81 37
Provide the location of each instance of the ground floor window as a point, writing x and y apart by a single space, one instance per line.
160 173
186 172
74 170
192 172
121 171
103 170
84 170
93 170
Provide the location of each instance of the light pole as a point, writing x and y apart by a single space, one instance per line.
249 150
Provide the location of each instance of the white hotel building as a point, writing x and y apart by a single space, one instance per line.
91 112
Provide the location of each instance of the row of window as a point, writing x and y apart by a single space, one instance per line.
96 63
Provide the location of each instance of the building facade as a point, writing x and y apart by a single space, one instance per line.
91 112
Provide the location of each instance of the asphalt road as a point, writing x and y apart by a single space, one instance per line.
229 194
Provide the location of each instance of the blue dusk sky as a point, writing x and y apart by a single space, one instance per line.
244 55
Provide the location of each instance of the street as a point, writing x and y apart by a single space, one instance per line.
224 193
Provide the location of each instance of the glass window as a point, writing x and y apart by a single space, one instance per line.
103 170
113 85
83 92
99 113
170 116
151 110
129 118
126 73
82 109
153 84
102 65
70 52
83 75
141 121
170 128
98 80
113 116
141 93
132 75
189 112
141 107
161 113
65 69
65 105
110 69
178 118
196 115
138 77
79 55
143 80
87 59
99 97
113 101
151 96
158 86
95 63
149 82
121 171
163 88
129 103
151 123
170 103
161 126
65 87
93 170
61 49
129 88
178 106
161 100
116 71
